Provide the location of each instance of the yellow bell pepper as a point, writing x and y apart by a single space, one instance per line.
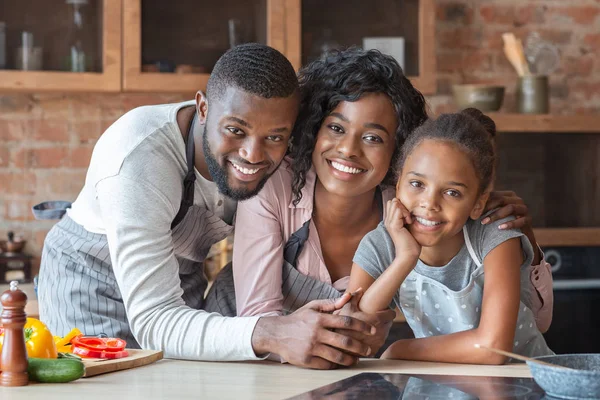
38 340
63 344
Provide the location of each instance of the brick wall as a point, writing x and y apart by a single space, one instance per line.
46 139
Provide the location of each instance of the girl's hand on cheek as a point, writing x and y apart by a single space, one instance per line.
396 220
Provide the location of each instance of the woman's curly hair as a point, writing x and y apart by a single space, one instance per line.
346 75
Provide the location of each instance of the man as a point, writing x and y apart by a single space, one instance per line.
162 188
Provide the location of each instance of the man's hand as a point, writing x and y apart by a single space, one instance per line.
306 338
509 203
382 320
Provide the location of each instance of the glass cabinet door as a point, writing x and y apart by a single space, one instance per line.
60 44
404 29
173 48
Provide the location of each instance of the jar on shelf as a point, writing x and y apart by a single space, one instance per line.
78 56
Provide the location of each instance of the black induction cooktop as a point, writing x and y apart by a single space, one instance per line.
430 387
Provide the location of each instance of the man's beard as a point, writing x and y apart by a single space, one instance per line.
220 175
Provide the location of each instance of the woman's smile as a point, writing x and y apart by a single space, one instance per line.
355 145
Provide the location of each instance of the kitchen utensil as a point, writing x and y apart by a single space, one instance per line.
136 358
481 96
533 94
14 244
54 209
513 49
28 57
582 381
542 55
569 376
518 356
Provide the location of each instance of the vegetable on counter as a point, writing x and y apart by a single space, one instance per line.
38 340
95 347
63 344
55 371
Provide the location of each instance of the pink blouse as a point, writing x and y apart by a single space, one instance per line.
264 225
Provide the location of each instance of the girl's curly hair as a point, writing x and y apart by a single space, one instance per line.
346 75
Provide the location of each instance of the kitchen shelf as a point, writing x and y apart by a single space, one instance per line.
546 123
547 237
108 80
182 43
414 20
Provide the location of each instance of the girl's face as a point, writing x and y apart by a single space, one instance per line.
440 188
355 145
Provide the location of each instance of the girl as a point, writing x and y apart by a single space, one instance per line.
432 253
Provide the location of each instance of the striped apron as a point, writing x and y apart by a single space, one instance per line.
77 285
297 288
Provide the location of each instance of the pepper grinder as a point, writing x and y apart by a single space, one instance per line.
13 361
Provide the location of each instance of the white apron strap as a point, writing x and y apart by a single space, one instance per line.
470 247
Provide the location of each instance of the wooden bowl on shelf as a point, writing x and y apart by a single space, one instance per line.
481 96
12 247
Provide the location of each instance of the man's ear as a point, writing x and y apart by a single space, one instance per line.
480 205
201 107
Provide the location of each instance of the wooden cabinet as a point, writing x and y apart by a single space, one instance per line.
160 46
184 42
403 27
173 49
50 24
553 163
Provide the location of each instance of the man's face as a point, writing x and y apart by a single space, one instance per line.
245 138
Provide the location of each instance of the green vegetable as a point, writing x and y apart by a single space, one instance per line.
69 355
59 370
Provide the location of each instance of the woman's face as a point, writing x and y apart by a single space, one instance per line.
355 145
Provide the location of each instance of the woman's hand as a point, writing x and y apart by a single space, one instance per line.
396 219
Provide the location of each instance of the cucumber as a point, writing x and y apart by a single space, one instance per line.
55 370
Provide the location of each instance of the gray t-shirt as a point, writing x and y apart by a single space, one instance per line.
376 252
448 299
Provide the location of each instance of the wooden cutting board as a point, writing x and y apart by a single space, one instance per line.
136 358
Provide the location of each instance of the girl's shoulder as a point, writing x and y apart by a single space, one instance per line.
485 238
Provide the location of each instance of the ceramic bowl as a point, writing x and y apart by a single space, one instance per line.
480 96
12 247
581 383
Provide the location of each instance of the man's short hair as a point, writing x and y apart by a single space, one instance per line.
254 68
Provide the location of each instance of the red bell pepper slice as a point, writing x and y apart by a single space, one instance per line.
94 347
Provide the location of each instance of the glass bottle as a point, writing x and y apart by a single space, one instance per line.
77 53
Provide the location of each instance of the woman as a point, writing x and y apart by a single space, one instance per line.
357 109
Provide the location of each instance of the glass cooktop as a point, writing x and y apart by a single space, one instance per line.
430 387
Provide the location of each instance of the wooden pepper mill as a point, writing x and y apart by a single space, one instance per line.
13 362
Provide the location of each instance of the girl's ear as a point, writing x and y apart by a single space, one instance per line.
480 205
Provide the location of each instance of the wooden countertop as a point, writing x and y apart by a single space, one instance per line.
174 379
